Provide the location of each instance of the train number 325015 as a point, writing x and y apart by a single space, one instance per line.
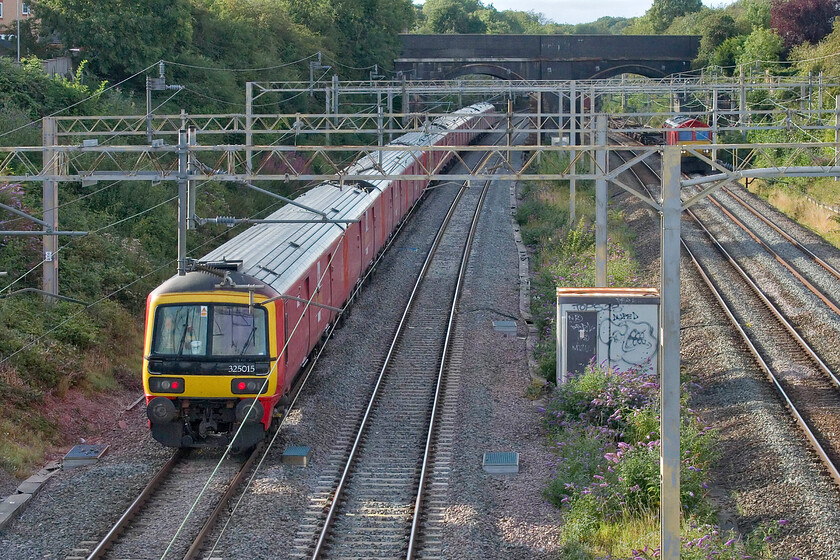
242 368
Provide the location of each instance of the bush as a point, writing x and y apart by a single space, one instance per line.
604 426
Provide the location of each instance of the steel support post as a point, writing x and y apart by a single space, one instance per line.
335 98
191 186
183 203
390 114
669 356
561 123
820 95
539 126
249 126
148 110
572 153
715 139
623 96
509 129
380 135
404 103
327 108
50 205
592 126
836 131
742 98
601 203
805 96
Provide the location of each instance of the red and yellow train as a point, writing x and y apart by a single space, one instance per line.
225 342
682 130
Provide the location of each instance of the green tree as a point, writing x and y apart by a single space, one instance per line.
726 55
757 12
715 28
762 47
368 29
495 23
119 37
453 16
820 57
531 22
663 12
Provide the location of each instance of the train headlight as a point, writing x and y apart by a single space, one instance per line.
249 410
161 410
166 384
248 386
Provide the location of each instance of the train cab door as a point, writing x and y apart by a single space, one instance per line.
381 224
297 326
353 254
334 298
281 332
308 323
376 227
406 197
395 203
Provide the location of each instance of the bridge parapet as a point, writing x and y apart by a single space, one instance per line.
545 57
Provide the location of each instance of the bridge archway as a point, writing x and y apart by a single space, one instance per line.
646 71
500 72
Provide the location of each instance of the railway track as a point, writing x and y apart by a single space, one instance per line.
373 503
818 276
189 482
374 511
805 383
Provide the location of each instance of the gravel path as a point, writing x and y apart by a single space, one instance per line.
497 516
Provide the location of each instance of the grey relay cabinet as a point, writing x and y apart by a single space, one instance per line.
616 326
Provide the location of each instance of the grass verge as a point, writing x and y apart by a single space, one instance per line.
800 201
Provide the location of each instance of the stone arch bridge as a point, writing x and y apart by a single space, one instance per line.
545 57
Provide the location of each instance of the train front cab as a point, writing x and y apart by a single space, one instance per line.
693 133
207 359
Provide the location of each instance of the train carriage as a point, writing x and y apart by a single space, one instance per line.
225 341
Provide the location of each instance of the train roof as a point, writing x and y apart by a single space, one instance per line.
201 281
683 121
276 254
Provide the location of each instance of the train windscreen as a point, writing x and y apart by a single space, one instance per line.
184 330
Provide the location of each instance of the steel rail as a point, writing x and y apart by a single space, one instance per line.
781 260
769 304
198 542
415 523
136 506
800 420
828 268
380 378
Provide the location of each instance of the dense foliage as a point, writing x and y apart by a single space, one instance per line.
800 21
119 37
604 426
